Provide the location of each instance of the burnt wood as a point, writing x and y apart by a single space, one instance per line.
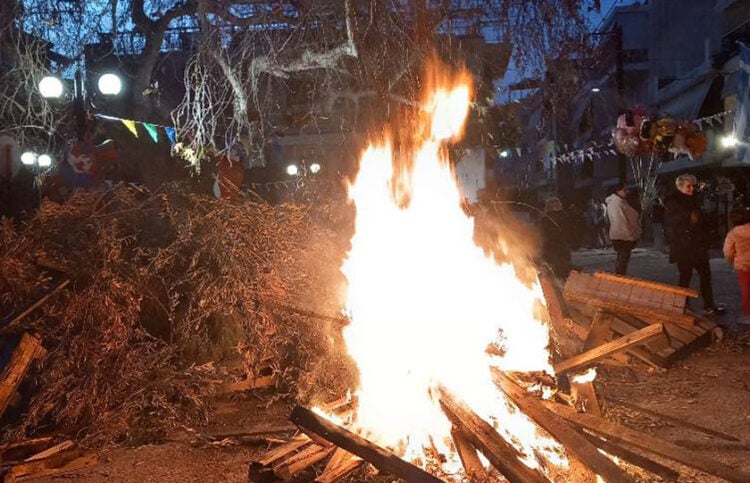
379 457
575 443
481 435
621 434
633 458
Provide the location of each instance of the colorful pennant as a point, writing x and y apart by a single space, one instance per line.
131 126
151 129
170 132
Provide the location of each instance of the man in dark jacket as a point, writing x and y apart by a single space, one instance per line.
689 238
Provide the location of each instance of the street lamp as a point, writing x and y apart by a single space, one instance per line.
729 141
28 158
595 90
44 160
110 84
292 170
51 87
37 161
504 153
314 168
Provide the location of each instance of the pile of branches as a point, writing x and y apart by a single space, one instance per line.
166 288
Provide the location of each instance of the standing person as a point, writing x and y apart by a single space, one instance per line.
602 224
592 216
737 252
555 230
577 226
657 224
689 240
624 226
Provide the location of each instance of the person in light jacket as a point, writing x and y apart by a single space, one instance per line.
737 252
624 227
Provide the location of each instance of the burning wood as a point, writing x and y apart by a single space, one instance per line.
377 456
469 458
504 457
574 442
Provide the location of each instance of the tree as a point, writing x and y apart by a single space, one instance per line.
353 63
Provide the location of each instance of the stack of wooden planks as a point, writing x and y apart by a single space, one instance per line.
608 307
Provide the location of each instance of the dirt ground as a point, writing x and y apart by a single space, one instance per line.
710 388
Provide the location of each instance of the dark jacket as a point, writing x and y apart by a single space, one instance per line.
689 239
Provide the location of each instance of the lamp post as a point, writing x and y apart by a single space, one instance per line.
37 162
51 87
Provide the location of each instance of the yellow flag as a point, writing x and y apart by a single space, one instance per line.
131 126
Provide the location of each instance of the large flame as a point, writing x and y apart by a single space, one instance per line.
425 302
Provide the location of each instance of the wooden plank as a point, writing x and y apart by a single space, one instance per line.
658 345
633 458
479 433
686 292
341 464
621 434
673 420
59 463
26 351
25 443
679 335
628 307
555 302
65 445
281 451
574 442
473 467
295 465
598 334
654 360
379 457
604 350
599 330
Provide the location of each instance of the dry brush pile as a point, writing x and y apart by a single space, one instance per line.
166 287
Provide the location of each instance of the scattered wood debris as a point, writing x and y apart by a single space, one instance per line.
61 458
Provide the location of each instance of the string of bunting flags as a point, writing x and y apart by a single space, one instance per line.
599 149
151 128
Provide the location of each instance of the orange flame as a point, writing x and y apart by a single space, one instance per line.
425 302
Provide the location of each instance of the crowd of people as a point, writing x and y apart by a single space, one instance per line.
677 222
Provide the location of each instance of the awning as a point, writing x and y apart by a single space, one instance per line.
687 104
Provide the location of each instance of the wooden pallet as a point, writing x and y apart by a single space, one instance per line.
627 305
657 302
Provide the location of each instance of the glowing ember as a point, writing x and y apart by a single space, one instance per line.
587 376
425 302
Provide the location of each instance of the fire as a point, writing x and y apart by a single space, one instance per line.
585 377
425 302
